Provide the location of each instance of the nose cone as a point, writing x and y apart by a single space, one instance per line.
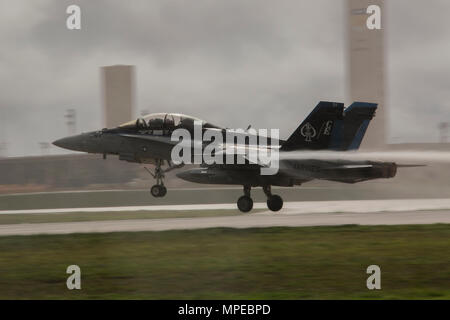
71 143
80 142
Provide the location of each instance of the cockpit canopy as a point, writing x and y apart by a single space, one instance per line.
166 122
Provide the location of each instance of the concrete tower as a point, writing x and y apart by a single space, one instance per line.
365 66
118 94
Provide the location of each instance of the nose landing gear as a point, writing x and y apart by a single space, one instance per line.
159 190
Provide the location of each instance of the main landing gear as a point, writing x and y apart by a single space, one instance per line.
274 201
245 203
159 190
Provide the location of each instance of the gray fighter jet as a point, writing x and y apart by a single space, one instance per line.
328 127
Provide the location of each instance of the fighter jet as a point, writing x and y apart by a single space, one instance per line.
328 127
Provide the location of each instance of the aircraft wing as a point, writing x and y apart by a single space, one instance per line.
241 152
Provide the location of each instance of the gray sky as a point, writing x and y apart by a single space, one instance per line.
231 62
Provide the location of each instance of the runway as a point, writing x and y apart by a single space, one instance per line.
291 207
370 214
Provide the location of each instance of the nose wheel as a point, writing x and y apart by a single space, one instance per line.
159 190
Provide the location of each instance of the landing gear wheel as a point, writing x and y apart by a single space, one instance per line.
275 203
245 203
158 190
163 191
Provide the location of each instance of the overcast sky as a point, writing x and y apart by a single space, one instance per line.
231 62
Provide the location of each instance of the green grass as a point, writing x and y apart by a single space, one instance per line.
111 215
266 263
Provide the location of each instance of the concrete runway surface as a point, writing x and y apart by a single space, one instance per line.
320 213
292 207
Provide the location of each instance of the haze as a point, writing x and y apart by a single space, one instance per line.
231 62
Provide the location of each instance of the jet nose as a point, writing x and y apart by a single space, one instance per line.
59 143
72 143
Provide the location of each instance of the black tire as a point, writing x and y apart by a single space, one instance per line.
156 191
163 191
275 203
245 204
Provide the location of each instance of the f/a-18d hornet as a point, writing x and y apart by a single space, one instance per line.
329 127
